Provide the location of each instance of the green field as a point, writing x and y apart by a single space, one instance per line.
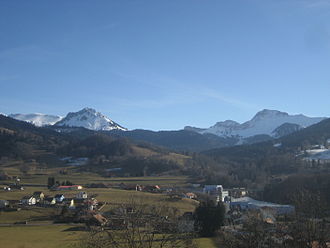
51 236
40 232
39 177
54 236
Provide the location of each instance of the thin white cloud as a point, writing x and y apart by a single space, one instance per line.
175 92
217 95
316 3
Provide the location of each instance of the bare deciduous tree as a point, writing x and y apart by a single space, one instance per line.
298 233
140 226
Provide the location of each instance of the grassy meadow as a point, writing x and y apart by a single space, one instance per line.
41 232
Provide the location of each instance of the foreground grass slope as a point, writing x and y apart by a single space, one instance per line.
54 236
51 236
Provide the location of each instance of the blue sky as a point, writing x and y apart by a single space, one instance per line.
156 64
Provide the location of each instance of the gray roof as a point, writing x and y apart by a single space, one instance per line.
251 201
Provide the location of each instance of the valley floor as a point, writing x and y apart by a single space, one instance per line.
32 226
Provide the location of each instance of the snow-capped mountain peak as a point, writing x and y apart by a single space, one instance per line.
37 119
227 123
267 113
91 119
265 122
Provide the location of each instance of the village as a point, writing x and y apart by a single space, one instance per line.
74 204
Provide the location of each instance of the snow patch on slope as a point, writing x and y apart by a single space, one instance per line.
318 154
37 119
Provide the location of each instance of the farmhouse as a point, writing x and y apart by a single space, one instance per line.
4 204
237 192
217 191
151 188
190 195
92 204
39 196
50 200
29 200
212 189
82 195
59 198
70 202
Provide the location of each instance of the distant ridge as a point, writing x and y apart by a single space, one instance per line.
273 123
264 126
37 119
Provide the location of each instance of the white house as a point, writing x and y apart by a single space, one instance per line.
50 200
59 198
212 189
216 191
224 195
39 195
3 204
82 195
29 200
70 203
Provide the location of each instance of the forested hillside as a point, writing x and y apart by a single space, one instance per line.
22 141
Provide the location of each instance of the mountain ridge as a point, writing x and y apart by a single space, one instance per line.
264 126
265 122
37 119
87 118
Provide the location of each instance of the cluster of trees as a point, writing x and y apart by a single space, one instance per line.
51 183
182 140
315 134
20 139
300 232
255 165
309 193
96 145
209 218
